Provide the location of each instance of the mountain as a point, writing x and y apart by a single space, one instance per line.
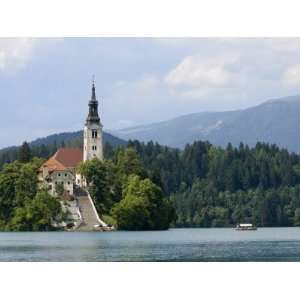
52 142
72 137
274 121
68 138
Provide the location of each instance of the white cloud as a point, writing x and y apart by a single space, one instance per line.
291 77
198 71
195 75
15 53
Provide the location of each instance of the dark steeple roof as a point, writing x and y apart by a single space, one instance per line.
93 116
93 91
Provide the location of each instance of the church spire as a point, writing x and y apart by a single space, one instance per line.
93 90
93 116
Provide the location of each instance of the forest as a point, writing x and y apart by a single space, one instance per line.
124 195
199 186
214 187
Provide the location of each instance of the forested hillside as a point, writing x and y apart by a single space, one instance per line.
123 194
211 186
207 185
47 146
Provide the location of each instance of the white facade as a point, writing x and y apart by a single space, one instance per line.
92 141
66 178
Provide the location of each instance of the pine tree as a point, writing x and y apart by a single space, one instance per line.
24 154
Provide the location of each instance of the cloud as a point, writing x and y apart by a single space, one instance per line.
291 77
196 75
15 53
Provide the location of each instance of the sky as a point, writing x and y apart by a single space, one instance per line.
45 83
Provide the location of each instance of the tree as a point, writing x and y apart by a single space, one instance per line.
26 183
297 217
103 182
142 207
59 189
8 179
37 214
18 185
24 153
128 163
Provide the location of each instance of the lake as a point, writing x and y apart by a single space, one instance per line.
197 244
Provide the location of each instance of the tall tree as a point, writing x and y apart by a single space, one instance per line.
143 207
24 153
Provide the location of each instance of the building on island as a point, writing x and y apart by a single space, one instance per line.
60 169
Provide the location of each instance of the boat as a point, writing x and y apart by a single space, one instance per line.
245 227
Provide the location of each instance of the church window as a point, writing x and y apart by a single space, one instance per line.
66 174
94 133
68 182
95 147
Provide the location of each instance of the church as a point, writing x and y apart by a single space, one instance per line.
60 169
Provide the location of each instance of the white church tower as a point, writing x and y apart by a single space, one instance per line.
92 133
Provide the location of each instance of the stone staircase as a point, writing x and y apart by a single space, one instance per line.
90 219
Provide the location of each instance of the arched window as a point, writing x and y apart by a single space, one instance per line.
94 133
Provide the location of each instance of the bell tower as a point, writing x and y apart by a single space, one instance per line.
92 133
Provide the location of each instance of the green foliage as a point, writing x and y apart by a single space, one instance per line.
109 220
129 163
202 206
211 186
59 189
104 183
207 185
142 207
24 153
106 178
22 207
18 183
297 217
37 214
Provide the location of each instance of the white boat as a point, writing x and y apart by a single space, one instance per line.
245 227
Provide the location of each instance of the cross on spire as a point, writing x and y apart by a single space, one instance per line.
93 89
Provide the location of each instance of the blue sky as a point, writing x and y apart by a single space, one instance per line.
45 84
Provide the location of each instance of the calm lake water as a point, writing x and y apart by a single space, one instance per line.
265 244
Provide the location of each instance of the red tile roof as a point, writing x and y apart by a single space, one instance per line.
69 157
63 159
54 165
